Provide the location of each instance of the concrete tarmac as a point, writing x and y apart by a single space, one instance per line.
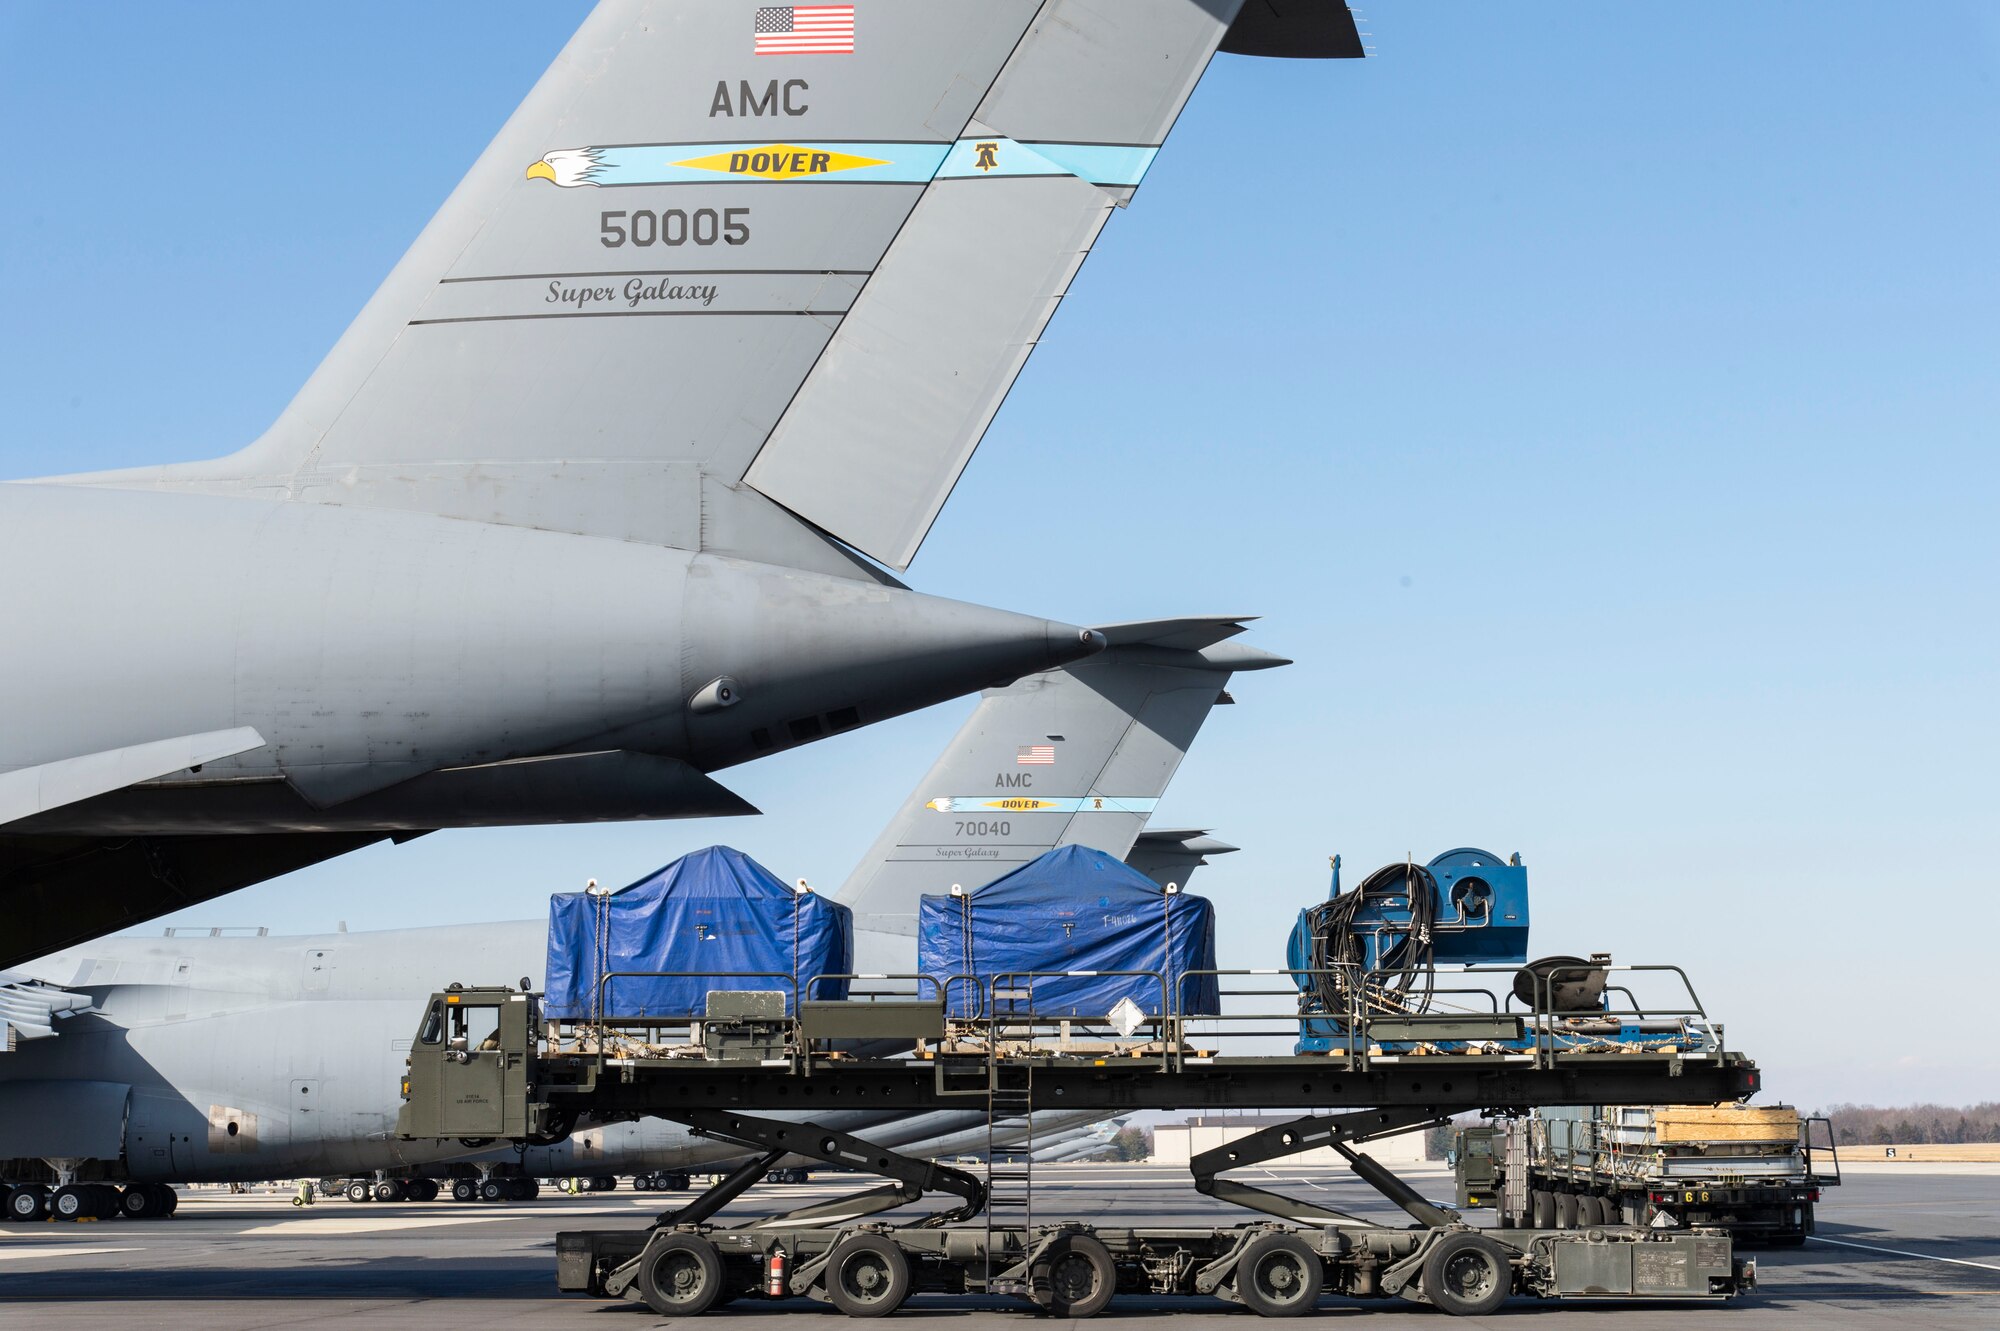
1898 1247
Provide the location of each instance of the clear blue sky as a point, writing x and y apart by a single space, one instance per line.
1599 401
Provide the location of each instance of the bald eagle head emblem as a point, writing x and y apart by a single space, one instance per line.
569 167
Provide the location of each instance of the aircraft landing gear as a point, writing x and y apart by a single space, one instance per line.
84 1201
28 1203
147 1201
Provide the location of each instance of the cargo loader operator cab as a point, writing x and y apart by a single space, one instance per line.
472 1061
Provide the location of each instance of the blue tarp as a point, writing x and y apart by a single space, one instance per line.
1072 909
713 911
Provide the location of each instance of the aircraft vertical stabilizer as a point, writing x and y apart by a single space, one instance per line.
1076 756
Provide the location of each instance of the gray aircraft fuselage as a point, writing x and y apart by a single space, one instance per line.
409 672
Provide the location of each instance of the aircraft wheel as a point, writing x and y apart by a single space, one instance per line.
141 1201
170 1197
604 1183
494 1190
389 1190
675 1183
1541 1209
1279 1276
680 1276
76 1201
1081 1277
523 1190
423 1190
464 1190
358 1191
1467 1275
27 1203
868 1276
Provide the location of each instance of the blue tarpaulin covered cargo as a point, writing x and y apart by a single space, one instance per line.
1072 909
712 911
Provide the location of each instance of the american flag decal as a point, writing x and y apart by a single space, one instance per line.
1035 755
805 29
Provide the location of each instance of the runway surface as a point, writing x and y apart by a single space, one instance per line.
1897 1247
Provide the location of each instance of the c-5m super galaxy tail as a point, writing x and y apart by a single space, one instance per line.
739 291
1077 756
601 492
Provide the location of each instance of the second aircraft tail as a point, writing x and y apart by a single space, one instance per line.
1076 756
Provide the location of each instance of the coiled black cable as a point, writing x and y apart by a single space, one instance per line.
1406 970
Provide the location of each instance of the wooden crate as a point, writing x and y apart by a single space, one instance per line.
1681 1124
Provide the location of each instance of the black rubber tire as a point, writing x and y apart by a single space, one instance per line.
388 1190
680 1276
142 1201
76 1201
1566 1206
172 1198
357 1191
675 1183
27 1204
1591 1212
1279 1275
1541 1210
494 1190
604 1183
1080 1275
523 1190
423 1190
867 1275
1467 1275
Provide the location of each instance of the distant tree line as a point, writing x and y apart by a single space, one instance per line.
1914 1125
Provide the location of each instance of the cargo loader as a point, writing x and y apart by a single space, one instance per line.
1073 987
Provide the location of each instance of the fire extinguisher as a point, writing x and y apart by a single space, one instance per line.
774 1282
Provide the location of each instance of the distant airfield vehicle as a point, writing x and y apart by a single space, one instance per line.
603 490
144 1062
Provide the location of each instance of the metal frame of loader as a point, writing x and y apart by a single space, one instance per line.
746 1058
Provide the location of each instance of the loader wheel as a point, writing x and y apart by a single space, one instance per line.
1467 1275
1566 1208
868 1276
1080 1276
680 1276
1541 1209
1591 1212
1279 1276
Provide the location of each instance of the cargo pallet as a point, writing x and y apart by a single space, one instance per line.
753 1054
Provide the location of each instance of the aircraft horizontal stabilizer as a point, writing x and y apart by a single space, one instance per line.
32 790
1171 855
29 1009
1191 633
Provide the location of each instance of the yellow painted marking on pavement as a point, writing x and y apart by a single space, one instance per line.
10 1252
369 1225
1898 1252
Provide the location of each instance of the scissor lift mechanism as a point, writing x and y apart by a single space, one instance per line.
733 1072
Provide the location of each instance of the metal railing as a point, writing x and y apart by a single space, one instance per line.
1386 1012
